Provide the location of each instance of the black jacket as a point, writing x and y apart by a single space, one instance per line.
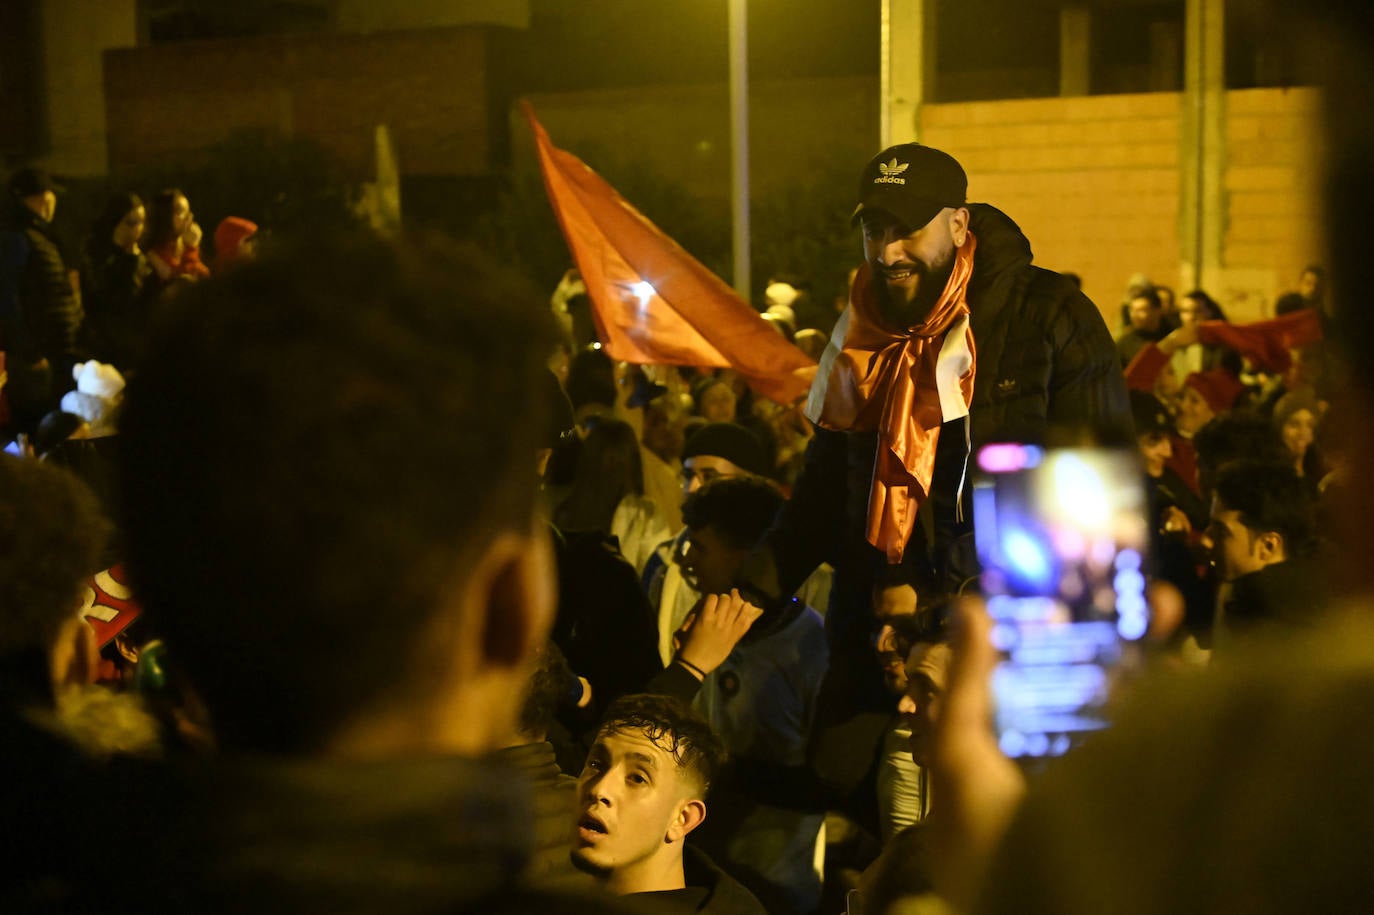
605 626
39 314
1046 361
115 293
1280 599
709 890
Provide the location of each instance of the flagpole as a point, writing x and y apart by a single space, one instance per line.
739 143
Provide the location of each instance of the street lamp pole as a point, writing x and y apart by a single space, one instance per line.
739 143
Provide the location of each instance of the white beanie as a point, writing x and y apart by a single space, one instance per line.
98 379
780 294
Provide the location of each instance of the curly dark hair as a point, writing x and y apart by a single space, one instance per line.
52 536
674 726
316 447
1270 496
551 682
739 509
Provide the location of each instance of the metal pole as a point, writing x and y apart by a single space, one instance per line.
739 142
885 78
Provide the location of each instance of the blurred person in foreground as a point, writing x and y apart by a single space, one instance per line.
55 725
336 532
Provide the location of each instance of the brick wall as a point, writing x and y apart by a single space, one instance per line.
162 104
1273 195
1092 181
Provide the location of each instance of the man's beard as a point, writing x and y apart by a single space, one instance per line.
931 281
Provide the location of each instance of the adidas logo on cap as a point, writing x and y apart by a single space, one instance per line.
891 172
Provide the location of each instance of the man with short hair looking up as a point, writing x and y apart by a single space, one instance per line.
642 791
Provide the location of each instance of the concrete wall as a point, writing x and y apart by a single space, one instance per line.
1095 183
73 34
1273 190
166 103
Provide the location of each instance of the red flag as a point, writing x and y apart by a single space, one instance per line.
1266 343
654 303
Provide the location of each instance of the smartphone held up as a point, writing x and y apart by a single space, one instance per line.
1061 536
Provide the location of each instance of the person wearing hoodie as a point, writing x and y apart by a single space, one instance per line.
236 241
642 792
948 295
953 339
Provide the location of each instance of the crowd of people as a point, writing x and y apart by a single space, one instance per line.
59 310
357 576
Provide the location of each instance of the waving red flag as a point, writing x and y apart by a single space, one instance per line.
1266 343
654 303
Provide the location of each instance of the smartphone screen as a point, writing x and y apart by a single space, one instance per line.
1061 536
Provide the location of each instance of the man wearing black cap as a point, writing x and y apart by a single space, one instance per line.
40 315
951 340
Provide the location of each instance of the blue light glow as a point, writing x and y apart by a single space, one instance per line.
1028 559
1132 626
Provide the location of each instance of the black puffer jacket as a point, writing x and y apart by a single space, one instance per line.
1045 361
41 316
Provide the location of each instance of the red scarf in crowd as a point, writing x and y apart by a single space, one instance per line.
872 377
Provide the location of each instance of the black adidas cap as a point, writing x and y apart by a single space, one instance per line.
912 182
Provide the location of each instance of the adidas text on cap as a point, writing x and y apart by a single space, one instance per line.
912 182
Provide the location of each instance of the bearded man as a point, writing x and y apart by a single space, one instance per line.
952 340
